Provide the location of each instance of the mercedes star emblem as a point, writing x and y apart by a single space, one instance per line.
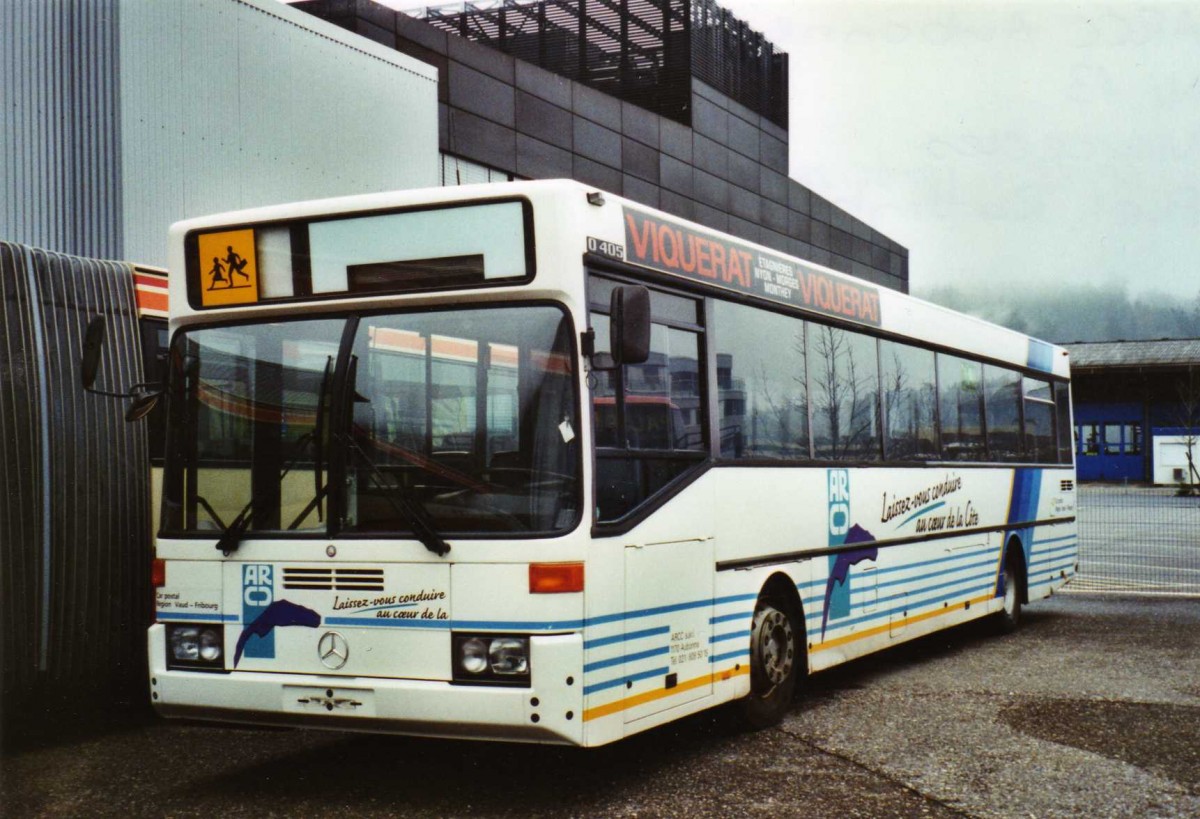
333 650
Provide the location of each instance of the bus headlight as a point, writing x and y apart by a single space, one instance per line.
474 656
509 656
195 647
491 659
184 642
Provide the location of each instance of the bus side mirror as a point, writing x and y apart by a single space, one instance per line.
93 341
142 406
629 317
145 396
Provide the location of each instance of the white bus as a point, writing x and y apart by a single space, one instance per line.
533 462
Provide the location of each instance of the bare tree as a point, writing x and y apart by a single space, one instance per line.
843 394
787 408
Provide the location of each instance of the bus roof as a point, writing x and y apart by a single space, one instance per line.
570 218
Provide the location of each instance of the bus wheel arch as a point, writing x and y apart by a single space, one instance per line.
1016 586
778 653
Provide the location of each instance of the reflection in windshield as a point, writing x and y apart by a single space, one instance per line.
469 416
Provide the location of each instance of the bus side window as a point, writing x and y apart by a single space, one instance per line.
960 406
762 387
909 399
1062 411
1002 407
843 370
154 361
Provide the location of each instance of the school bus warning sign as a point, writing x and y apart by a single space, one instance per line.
674 248
228 273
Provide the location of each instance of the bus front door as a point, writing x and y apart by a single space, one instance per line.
669 598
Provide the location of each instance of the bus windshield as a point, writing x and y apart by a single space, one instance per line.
354 425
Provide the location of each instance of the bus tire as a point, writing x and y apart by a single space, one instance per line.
1008 619
775 662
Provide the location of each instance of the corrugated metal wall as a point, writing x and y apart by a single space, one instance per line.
60 125
75 543
120 117
230 105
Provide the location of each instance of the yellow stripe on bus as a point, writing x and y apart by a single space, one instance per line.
907 621
649 696
617 706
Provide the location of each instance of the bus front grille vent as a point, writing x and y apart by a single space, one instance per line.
333 579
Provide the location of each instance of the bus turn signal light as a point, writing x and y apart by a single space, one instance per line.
555 578
158 572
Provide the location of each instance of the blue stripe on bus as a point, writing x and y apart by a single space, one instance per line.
966 568
1066 547
912 605
182 616
521 625
731 635
936 560
937 587
1054 540
1055 566
1053 559
1051 579
930 575
729 655
387 623
633 615
920 512
625 658
1060 551
734 598
725 618
641 675
625 637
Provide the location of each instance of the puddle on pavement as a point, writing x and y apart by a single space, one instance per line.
1159 737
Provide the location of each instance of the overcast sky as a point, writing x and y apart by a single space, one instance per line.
1027 142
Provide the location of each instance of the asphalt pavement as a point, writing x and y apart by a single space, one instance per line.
1091 709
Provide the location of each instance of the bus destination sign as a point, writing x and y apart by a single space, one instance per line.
674 248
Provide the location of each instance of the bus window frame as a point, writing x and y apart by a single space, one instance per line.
700 460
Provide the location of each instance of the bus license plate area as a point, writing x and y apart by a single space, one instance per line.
305 699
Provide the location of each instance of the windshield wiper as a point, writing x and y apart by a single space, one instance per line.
231 537
413 512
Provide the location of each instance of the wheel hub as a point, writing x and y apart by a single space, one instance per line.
774 642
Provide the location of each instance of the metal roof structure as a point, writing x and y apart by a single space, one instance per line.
642 51
1166 352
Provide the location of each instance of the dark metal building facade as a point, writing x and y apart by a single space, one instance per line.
639 51
672 103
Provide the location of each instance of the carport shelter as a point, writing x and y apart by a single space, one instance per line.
1122 389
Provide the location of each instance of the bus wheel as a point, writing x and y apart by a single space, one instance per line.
1009 618
775 664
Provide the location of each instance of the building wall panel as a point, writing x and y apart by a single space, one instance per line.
228 104
60 172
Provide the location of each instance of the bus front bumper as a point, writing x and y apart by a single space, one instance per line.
416 707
